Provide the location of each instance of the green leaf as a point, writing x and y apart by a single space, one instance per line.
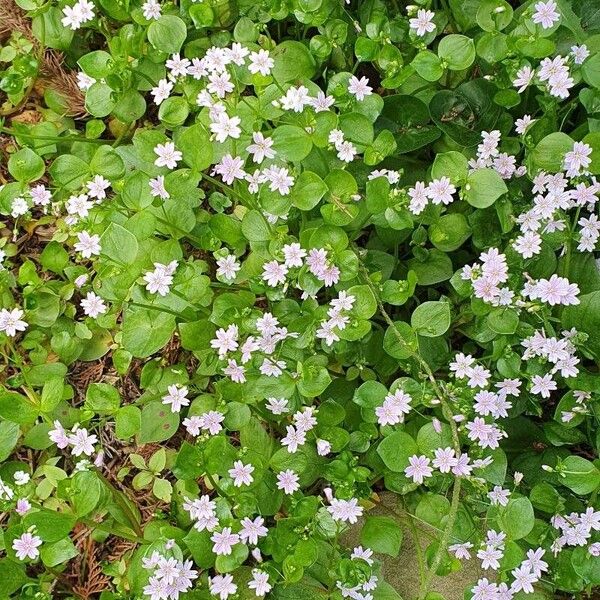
400 341
128 422
308 190
58 553
196 147
517 518
483 188
102 398
431 319
52 393
158 423
9 436
549 153
293 61
370 394
25 165
395 450
50 525
12 577
17 408
119 244
146 331
450 232
85 492
456 51
453 165
580 475
167 33
291 143
382 534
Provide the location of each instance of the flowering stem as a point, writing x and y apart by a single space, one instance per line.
455 502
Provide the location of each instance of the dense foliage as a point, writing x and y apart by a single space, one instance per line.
286 255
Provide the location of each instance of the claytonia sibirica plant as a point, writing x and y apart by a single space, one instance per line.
295 274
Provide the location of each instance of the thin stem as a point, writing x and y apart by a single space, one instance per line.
455 502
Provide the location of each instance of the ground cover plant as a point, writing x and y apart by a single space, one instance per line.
262 261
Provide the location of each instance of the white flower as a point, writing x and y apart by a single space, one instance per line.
288 481
322 102
528 244
261 147
280 179
241 473
295 99
521 125
445 459
230 168
556 290
534 559
157 188
484 590
224 541
177 66
235 371
363 554
323 447
359 88
222 586
160 280
176 397
418 468
225 340
162 91
226 127
220 84
294 254
228 267
87 244
461 551
260 583
78 14
167 155
21 477
524 78
277 406
294 438
274 273
252 530
237 53
423 23
545 14
346 151
524 579
26 546
543 385
440 191
19 207
490 557
93 305
151 10
84 82
97 187
261 62
499 496
577 159
59 436
345 510
579 53
23 506
82 442
11 322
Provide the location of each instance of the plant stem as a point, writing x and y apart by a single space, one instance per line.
455 502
